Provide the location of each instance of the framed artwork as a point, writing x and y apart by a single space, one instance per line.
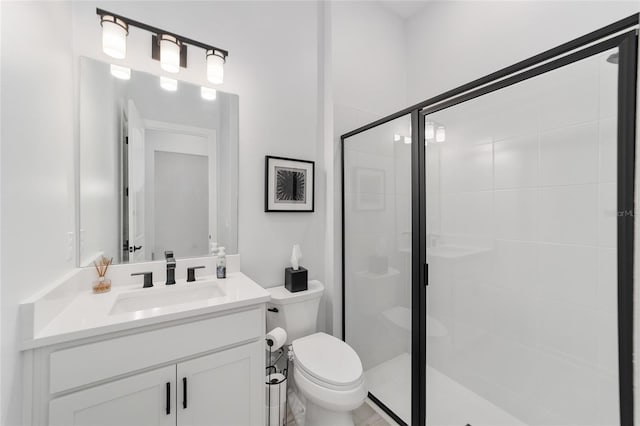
369 188
289 185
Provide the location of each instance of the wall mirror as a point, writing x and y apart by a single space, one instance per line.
158 166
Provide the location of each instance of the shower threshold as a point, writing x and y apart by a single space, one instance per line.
390 383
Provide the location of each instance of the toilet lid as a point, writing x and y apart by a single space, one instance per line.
328 359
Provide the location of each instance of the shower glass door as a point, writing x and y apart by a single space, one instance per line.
521 236
377 260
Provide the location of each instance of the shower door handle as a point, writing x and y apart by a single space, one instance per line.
426 274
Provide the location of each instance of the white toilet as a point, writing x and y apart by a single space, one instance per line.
326 371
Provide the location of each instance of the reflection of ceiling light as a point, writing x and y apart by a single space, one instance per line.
169 53
407 139
440 134
169 84
396 137
208 93
114 36
429 130
123 73
215 66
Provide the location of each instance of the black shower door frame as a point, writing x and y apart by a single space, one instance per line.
609 37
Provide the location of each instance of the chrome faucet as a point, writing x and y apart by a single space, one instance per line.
171 267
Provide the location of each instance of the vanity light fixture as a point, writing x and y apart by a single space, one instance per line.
114 36
169 84
396 137
208 93
407 140
169 53
215 66
118 71
167 47
440 134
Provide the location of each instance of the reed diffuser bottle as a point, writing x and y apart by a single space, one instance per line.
102 284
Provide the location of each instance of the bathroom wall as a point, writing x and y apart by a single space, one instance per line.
272 67
275 76
37 169
450 35
368 81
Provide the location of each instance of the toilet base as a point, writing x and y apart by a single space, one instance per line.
318 416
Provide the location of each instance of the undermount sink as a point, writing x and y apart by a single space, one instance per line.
164 296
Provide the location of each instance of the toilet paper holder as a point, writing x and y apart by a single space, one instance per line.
276 385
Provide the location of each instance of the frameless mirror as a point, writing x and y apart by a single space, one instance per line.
158 167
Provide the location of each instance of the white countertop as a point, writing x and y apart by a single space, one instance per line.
88 314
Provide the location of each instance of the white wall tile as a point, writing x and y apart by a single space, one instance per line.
468 213
477 173
516 214
569 155
516 162
568 274
607 215
569 95
608 149
607 289
568 214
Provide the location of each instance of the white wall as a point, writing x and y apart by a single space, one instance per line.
37 168
99 134
452 43
366 49
272 66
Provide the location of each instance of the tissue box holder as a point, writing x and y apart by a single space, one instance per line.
295 280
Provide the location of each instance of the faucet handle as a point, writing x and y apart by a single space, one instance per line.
191 273
148 278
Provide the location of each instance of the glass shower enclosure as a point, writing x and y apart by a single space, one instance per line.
488 244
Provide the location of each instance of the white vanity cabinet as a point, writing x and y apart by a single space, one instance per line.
145 399
217 389
207 370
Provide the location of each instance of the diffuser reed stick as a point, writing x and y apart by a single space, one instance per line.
103 285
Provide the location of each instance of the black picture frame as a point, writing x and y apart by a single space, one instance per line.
289 185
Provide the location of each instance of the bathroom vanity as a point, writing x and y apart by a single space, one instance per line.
185 354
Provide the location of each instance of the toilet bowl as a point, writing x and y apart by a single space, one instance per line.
327 371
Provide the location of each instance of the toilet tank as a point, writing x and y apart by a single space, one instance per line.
296 312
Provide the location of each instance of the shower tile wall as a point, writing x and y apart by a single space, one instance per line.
524 188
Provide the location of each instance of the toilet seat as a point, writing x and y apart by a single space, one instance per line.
328 361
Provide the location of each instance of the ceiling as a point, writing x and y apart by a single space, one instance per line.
404 8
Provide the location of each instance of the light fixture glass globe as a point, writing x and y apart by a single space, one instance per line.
169 53
123 73
215 66
208 93
440 134
169 84
114 37
429 130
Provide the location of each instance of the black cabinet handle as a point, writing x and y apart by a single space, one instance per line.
273 310
184 393
168 398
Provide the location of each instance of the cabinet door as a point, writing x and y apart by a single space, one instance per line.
223 389
146 399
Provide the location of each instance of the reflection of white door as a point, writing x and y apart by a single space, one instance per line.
180 183
137 243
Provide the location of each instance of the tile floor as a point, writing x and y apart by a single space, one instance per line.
365 415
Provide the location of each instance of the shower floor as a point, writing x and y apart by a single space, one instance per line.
390 383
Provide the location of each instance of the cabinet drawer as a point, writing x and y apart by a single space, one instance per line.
93 362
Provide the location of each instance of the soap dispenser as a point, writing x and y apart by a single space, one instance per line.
221 264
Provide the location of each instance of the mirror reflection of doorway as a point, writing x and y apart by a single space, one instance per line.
180 197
